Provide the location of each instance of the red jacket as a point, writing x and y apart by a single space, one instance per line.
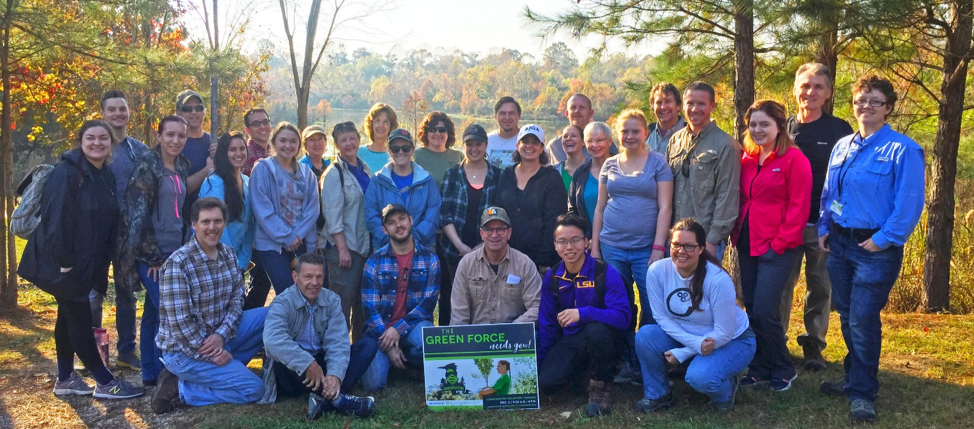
778 198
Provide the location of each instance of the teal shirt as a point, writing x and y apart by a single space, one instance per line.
591 195
375 160
238 234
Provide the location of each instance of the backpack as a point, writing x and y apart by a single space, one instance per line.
599 271
27 215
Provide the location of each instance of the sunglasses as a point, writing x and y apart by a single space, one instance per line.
193 108
403 149
441 130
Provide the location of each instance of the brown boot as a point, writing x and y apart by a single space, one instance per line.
599 398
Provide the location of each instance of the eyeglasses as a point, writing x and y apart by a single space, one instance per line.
871 103
193 108
574 242
687 248
342 125
403 149
499 230
441 130
264 123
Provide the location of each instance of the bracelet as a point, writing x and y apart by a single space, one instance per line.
658 247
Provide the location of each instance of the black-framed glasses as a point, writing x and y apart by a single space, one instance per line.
871 103
403 149
688 247
499 230
265 122
343 125
574 242
441 130
193 108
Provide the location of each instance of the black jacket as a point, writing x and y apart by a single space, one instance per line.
576 192
533 212
79 214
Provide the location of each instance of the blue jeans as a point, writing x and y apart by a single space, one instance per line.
712 375
151 366
377 375
277 264
125 302
861 283
763 282
631 265
205 383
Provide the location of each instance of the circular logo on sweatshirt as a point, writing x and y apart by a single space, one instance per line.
679 299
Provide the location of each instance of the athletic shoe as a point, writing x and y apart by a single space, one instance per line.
862 410
782 384
626 374
728 404
118 389
813 358
750 380
317 406
833 388
599 398
647 405
359 406
128 361
166 397
74 385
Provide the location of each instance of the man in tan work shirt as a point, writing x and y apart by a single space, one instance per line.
495 283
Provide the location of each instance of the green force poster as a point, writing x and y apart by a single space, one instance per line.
491 367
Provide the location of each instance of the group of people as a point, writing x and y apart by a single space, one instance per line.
610 239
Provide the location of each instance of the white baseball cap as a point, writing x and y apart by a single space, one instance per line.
531 129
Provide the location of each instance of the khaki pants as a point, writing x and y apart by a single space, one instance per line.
347 283
818 300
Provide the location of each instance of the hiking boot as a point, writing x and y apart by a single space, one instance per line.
647 405
833 388
128 361
626 374
782 384
74 385
359 406
813 358
862 410
118 389
599 398
750 380
166 397
729 403
637 376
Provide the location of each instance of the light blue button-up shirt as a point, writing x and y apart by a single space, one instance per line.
309 340
879 183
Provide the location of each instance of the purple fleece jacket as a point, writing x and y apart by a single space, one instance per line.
580 294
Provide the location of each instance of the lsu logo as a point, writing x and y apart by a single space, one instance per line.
586 284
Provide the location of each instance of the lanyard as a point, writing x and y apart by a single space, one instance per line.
847 165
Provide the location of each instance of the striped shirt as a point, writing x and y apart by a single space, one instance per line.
198 297
379 281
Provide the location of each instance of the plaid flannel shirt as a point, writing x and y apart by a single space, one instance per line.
198 296
454 208
379 284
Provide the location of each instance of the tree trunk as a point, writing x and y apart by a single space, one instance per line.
743 63
8 252
943 168
829 55
303 94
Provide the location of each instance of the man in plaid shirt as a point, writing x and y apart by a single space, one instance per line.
400 285
205 336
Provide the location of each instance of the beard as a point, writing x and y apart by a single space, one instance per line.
402 240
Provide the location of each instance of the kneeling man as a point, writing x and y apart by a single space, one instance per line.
400 285
495 283
583 318
306 341
205 336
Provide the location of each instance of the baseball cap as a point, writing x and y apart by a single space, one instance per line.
400 133
474 132
392 209
494 213
311 130
185 95
531 129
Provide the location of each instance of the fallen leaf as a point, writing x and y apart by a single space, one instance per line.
566 414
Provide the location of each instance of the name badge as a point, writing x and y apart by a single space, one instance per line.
512 279
836 207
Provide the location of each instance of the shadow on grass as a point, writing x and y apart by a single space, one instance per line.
22 333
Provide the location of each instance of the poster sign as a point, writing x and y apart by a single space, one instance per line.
491 367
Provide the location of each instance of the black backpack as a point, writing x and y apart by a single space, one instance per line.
600 269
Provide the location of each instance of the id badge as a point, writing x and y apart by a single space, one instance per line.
512 279
836 207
